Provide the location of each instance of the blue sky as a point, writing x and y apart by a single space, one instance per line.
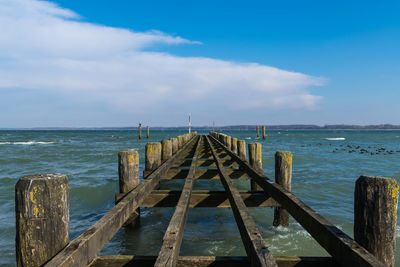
97 63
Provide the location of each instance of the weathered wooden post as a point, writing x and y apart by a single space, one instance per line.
166 149
42 217
375 216
263 130
180 141
140 131
255 160
153 157
148 132
222 139
242 149
283 177
128 172
234 145
258 130
175 146
228 142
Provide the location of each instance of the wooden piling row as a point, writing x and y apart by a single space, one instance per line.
42 209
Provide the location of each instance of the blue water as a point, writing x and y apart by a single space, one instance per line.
325 169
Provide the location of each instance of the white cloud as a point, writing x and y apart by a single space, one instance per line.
47 48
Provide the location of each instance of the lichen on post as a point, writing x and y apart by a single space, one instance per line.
174 142
128 171
42 217
166 149
242 149
283 177
234 145
255 160
153 156
228 141
375 216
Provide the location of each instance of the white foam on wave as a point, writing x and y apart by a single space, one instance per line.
248 138
28 143
335 138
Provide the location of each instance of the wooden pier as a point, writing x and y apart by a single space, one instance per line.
41 199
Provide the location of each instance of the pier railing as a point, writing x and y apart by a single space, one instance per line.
42 209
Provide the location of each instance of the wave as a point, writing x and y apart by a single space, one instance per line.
248 138
335 138
28 143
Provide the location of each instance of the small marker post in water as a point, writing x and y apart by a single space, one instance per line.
148 131
263 130
140 131
258 130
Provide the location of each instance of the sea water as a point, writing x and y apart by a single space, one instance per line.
326 165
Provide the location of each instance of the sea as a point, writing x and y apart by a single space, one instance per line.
326 164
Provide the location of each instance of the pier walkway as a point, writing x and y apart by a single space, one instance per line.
191 157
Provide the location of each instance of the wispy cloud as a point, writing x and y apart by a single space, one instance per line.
50 49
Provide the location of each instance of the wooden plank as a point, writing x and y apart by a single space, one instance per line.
338 244
204 174
212 163
255 246
206 198
82 250
205 261
173 236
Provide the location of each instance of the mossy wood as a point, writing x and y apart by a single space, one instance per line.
338 244
256 248
375 216
208 261
82 250
213 157
42 217
172 240
283 177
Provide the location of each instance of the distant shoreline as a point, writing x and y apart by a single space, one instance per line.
232 127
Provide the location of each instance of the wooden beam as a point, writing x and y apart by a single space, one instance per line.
172 240
205 261
204 174
206 198
255 246
82 250
338 244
